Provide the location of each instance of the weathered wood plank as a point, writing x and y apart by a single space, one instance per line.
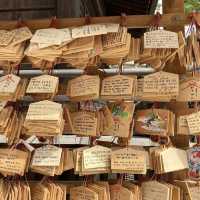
173 6
133 21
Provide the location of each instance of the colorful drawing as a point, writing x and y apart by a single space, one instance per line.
153 122
194 162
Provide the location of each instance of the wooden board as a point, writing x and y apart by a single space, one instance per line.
133 21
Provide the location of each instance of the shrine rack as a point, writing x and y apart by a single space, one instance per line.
168 21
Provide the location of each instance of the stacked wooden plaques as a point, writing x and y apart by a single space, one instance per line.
48 191
86 46
46 160
14 190
10 123
181 120
44 118
165 160
116 46
119 87
160 87
161 190
43 51
94 160
122 120
12 87
43 87
78 46
118 191
13 162
95 191
82 88
189 89
12 45
128 160
155 122
48 168
85 123
192 121
82 52
189 188
160 49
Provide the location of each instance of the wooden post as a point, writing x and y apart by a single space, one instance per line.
173 6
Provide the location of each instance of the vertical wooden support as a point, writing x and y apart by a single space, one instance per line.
68 8
173 6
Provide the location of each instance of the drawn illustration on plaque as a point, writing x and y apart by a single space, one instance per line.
194 162
119 111
153 122
120 114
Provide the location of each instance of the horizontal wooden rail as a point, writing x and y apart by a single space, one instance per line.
133 21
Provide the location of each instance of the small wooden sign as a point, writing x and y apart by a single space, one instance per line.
161 83
84 123
84 86
82 193
96 157
161 39
44 110
9 83
43 84
13 161
128 160
47 155
88 30
119 85
193 121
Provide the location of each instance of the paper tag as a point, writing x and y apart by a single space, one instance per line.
128 159
118 85
9 83
97 157
43 84
84 85
161 83
2 105
44 110
47 156
193 121
161 39
84 123
13 161
88 30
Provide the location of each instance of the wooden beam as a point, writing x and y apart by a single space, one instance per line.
173 6
133 21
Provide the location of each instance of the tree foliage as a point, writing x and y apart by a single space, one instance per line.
192 5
